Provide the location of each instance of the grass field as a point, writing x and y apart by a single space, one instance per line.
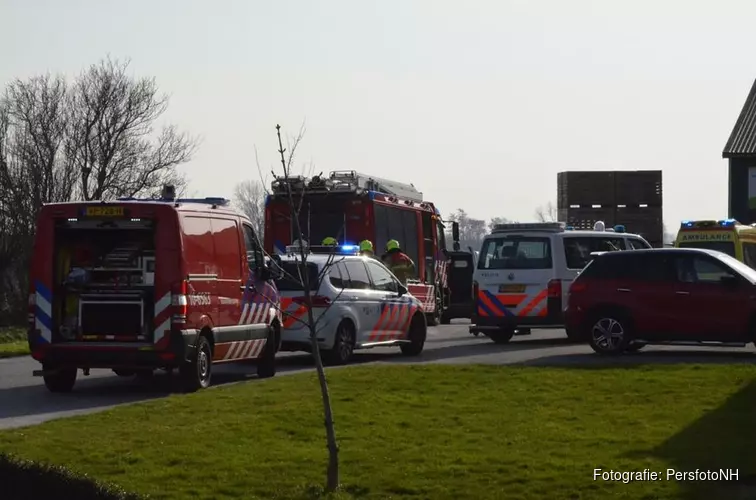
13 342
435 432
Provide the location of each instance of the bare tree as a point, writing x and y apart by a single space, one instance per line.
113 141
496 221
332 474
90 139
249 197
547 213
471 231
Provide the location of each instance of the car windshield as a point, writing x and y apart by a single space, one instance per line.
743 269
516 252
727 247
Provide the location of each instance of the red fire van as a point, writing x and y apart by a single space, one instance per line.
136 285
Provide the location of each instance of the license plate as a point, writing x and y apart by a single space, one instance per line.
104 212
511 288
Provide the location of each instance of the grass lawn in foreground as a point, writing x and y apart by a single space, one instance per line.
435 432
13 342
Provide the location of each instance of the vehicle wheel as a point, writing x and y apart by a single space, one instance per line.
635 346
610 333
123 373
266 363
343 345
418 330
503 336
61 380
196 374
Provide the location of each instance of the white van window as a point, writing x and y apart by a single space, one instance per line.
577 250
516 252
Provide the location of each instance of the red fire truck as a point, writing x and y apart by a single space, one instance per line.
352 207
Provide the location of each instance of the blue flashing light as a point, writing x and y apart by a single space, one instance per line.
267 199
728 223
619 228
349 248
569 228
371 195
687 223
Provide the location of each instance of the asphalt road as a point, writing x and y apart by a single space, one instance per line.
25 401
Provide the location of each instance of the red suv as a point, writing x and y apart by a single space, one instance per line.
622 301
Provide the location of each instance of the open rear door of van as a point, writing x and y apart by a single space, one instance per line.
460 280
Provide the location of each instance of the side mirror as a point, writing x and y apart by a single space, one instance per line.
455 231
402 290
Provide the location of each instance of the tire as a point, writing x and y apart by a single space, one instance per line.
197 373
266 363
61 380
123 373
610 333
343 345
418 331
503 336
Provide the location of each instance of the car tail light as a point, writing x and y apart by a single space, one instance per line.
180 302
317 301
554 289
578 286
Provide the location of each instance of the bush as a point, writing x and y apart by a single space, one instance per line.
25 480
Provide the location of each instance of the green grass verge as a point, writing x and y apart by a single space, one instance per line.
13 342
436 432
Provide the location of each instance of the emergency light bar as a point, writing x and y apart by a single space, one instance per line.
532 226
700 224
325 249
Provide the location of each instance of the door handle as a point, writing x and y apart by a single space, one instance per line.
354 299
682 293
623 290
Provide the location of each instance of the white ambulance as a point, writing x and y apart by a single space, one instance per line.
524 272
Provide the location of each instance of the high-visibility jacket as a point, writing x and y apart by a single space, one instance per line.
400 264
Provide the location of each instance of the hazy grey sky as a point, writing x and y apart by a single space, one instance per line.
479 104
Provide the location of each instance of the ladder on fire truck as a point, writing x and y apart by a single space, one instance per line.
346 181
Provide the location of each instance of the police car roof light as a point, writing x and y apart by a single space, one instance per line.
619 228
324 249
533 226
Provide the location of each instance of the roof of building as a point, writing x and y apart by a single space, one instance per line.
742 141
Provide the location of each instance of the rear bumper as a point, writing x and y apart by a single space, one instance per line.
115 354
299 339
553 319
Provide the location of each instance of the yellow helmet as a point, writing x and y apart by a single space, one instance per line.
330 241
392 244
366 246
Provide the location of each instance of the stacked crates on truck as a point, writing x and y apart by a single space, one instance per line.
629 198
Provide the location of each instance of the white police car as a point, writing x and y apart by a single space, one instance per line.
357 303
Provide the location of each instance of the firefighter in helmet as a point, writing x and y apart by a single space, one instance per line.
398 262
366 248
330 241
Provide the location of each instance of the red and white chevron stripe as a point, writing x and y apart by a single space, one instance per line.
245 349
254 313
162 322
